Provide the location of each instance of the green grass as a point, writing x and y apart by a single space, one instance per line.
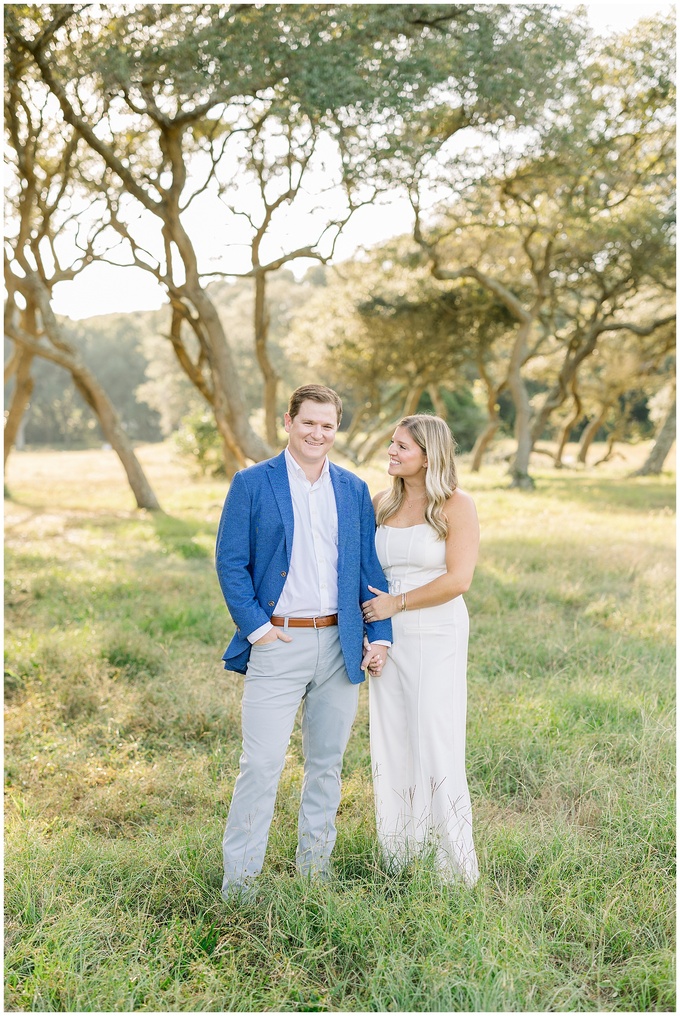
122 745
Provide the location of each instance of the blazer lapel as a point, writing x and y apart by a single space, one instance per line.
343 504
278 477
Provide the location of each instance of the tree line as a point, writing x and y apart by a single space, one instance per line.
538 160
132 360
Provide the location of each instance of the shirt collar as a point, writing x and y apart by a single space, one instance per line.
296 470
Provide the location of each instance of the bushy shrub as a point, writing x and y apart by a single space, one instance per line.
199 440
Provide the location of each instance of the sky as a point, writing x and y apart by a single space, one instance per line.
103 289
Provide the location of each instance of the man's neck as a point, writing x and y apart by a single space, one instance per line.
312 472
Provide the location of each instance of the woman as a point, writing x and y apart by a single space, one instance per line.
427 541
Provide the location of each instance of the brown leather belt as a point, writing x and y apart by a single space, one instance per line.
305 622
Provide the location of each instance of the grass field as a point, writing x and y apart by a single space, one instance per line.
122 745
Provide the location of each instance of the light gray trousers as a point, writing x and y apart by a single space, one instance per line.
280 675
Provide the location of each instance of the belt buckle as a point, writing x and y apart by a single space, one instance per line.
314 620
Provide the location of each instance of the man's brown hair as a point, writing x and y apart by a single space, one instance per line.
317 393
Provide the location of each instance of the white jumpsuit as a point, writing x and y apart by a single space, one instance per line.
418 714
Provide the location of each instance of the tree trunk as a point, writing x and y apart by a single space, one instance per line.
231 415
410 405
232 457
582 348
611 441
653 464
62 353
437 401
590 432
519 468
569 424
486 437
271 380
348 437
482 443
12 364
21 395
565 434
411 401
113 431
230 410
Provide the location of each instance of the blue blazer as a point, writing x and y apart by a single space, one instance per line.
254 544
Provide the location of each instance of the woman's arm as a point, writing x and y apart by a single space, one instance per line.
462 547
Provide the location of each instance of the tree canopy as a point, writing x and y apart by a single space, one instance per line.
538 160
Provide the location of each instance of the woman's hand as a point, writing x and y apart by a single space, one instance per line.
374 659
381 607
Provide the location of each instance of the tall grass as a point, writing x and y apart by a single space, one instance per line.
122 745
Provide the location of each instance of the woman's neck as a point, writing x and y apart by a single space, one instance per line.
414 490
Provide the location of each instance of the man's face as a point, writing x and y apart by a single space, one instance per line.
312 433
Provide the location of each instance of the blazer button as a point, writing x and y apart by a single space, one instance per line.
271 603
283 574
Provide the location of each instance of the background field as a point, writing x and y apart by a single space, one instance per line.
122 744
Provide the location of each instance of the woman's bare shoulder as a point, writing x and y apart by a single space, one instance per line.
460 506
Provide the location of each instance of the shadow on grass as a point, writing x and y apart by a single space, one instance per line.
616 494
178 536
25 519
620 494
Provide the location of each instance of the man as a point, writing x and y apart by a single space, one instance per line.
295 558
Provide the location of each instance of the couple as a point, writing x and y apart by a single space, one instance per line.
298 557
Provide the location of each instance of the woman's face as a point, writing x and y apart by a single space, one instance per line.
406 457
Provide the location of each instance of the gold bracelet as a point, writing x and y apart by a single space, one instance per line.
403 601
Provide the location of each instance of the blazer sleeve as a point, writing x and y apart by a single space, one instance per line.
233 559
371 570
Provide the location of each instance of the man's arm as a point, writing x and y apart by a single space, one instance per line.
232 560
371 570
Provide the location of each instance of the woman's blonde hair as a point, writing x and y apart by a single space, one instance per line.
435 440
